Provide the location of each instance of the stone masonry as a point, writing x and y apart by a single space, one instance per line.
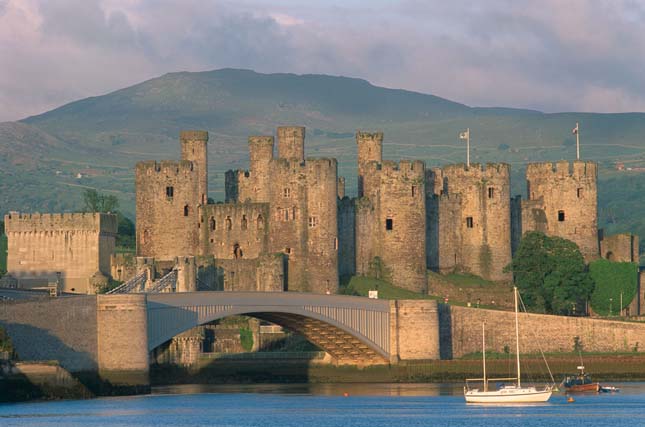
76 245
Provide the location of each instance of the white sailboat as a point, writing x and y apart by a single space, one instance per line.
509 393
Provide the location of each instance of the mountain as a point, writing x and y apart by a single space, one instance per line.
102 137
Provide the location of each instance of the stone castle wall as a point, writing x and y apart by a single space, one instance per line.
62 329
620 248
563 201
78 245
550 333
234 230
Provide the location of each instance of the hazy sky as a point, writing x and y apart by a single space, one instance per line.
551 55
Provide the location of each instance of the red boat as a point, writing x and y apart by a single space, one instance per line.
580 383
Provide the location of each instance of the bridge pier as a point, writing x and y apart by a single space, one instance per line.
414 326
122 339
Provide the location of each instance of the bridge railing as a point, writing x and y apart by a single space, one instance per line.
134 285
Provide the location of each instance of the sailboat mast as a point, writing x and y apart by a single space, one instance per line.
484 353
517 338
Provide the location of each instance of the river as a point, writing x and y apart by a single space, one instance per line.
326 405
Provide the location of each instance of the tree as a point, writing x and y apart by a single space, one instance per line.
551 274
94 201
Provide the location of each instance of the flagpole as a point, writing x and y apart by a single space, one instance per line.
467 147
577 142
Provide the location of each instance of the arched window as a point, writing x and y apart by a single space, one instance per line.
186 210
260 222
213 224
244 223
229 224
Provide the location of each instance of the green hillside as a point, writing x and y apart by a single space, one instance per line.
101 138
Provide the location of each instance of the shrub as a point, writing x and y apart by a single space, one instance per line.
611 279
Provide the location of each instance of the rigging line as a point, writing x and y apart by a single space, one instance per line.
537 341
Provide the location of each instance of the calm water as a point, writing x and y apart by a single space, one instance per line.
372 405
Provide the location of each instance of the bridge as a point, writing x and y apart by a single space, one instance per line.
350 329
114 335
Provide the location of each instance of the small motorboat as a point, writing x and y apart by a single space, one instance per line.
580 383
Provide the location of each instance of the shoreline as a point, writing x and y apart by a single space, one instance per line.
47 381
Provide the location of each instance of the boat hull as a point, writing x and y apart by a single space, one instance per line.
583 388
508 396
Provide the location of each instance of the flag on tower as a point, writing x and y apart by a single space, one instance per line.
465 134
575 129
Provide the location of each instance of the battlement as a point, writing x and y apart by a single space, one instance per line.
234 209
193 135
477 170
369 137
77 221
289 164
404 168
169 167
562 169
261 141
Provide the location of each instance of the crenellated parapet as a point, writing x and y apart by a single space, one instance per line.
77 221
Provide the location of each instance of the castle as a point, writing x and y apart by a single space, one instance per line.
287 225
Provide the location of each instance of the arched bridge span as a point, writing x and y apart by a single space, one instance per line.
352 329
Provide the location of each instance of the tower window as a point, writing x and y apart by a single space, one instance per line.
469 222
244 222
286 192
186 210
170 191
313 221
229 224
414 190
579 193
287 251
491 192
389 224
560 216
260 222
213 224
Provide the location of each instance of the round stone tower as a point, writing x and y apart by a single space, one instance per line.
569 199
194 148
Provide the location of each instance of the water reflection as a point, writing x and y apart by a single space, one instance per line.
336 389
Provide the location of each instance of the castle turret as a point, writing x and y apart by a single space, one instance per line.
194 148
322 225
479 197
291 142
167 199
370 149
563 201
